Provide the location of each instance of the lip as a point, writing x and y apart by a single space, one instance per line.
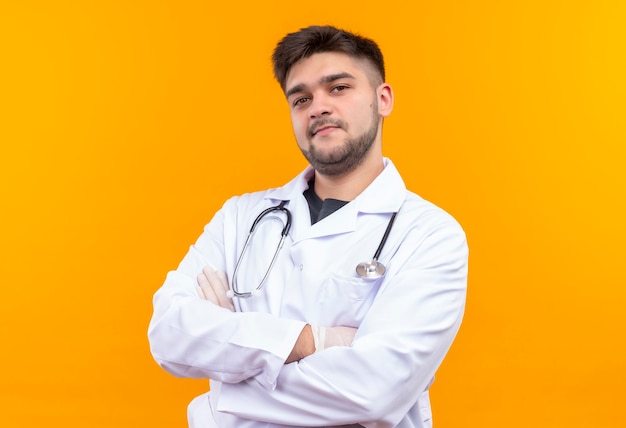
324 130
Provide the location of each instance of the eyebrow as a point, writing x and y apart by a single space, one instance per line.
324 80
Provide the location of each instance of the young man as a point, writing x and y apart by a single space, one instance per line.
314 331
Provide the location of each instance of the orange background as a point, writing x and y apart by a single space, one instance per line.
125 124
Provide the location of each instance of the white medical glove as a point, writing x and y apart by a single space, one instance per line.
212 286
325 337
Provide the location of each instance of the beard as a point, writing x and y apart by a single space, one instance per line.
346 158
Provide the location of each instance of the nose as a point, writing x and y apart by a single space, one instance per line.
320 106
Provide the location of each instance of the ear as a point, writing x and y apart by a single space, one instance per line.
384 92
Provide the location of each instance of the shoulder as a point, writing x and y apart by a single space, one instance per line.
426 216
269 197
246 201
419 207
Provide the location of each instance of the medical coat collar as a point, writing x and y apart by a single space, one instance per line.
384 195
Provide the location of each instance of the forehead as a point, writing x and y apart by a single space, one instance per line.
309 71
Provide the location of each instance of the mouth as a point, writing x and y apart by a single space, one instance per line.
325 127
324 130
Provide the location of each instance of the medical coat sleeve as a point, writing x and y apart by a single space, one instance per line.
191 337
399 346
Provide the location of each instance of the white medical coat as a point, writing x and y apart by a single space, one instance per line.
406 320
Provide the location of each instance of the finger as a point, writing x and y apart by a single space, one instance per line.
218 280
200 292
223 283
219 285
207 290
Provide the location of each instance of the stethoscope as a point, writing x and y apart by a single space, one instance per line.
372 269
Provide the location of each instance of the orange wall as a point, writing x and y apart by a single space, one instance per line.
125 124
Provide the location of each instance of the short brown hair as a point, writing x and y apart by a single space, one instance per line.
319 39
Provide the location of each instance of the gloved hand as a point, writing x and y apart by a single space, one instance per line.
325 337
212 286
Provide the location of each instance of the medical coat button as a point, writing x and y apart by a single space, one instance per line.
301 267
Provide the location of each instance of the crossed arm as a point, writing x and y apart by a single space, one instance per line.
213 286
375 381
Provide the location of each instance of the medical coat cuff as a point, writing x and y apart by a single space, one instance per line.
281 346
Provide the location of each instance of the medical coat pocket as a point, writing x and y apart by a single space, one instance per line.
346 299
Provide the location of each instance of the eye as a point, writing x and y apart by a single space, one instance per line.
299 101
339 88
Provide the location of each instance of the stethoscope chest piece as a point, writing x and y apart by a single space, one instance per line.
371 269
376 269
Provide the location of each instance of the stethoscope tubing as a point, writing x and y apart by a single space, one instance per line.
280 207
234 292
373 269
383 241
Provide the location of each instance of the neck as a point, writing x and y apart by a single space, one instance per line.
348 186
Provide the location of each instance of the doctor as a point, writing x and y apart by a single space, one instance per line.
346 322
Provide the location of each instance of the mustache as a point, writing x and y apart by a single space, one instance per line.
323 122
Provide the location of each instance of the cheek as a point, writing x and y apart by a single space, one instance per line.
298 125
